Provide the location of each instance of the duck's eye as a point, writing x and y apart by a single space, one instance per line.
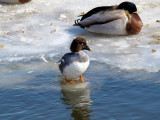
82 43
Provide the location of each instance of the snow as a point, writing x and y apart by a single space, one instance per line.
46 28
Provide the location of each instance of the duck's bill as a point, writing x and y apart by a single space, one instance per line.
88 48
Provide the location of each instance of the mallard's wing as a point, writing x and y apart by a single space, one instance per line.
102 17
96 10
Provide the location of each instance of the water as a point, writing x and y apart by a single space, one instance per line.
123 74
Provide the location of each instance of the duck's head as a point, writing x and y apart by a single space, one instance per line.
129 6
79 44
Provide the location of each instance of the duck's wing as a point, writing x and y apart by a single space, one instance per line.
93 12
96 10
103 17
66 60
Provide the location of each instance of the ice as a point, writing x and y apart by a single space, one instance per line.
44 28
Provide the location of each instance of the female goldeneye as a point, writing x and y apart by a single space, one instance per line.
14 1
76 62
120 19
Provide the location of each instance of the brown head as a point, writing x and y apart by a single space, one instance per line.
79 44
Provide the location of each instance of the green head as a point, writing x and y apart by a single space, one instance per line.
131 7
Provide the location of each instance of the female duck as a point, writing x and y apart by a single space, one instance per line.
75 63
114 20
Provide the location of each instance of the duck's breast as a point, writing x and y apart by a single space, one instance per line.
76 65
134 25
75 69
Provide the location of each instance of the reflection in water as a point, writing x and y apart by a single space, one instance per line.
78 96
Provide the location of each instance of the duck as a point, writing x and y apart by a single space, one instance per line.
14 1
76 62
121 19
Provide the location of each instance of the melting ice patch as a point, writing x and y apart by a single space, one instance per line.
45 28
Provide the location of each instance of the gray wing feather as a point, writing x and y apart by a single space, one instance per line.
102 17
69 58
66 60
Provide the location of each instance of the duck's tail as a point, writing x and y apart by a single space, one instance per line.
77 23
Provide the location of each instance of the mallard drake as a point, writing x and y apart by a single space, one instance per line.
14 1
120 19
76 62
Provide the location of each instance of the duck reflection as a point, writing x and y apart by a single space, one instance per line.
78 96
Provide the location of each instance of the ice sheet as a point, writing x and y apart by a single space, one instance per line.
45 27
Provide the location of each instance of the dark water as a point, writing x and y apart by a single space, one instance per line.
34 91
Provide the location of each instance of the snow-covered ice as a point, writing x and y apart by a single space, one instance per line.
46 28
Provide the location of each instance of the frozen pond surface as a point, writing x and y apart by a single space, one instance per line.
123 75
